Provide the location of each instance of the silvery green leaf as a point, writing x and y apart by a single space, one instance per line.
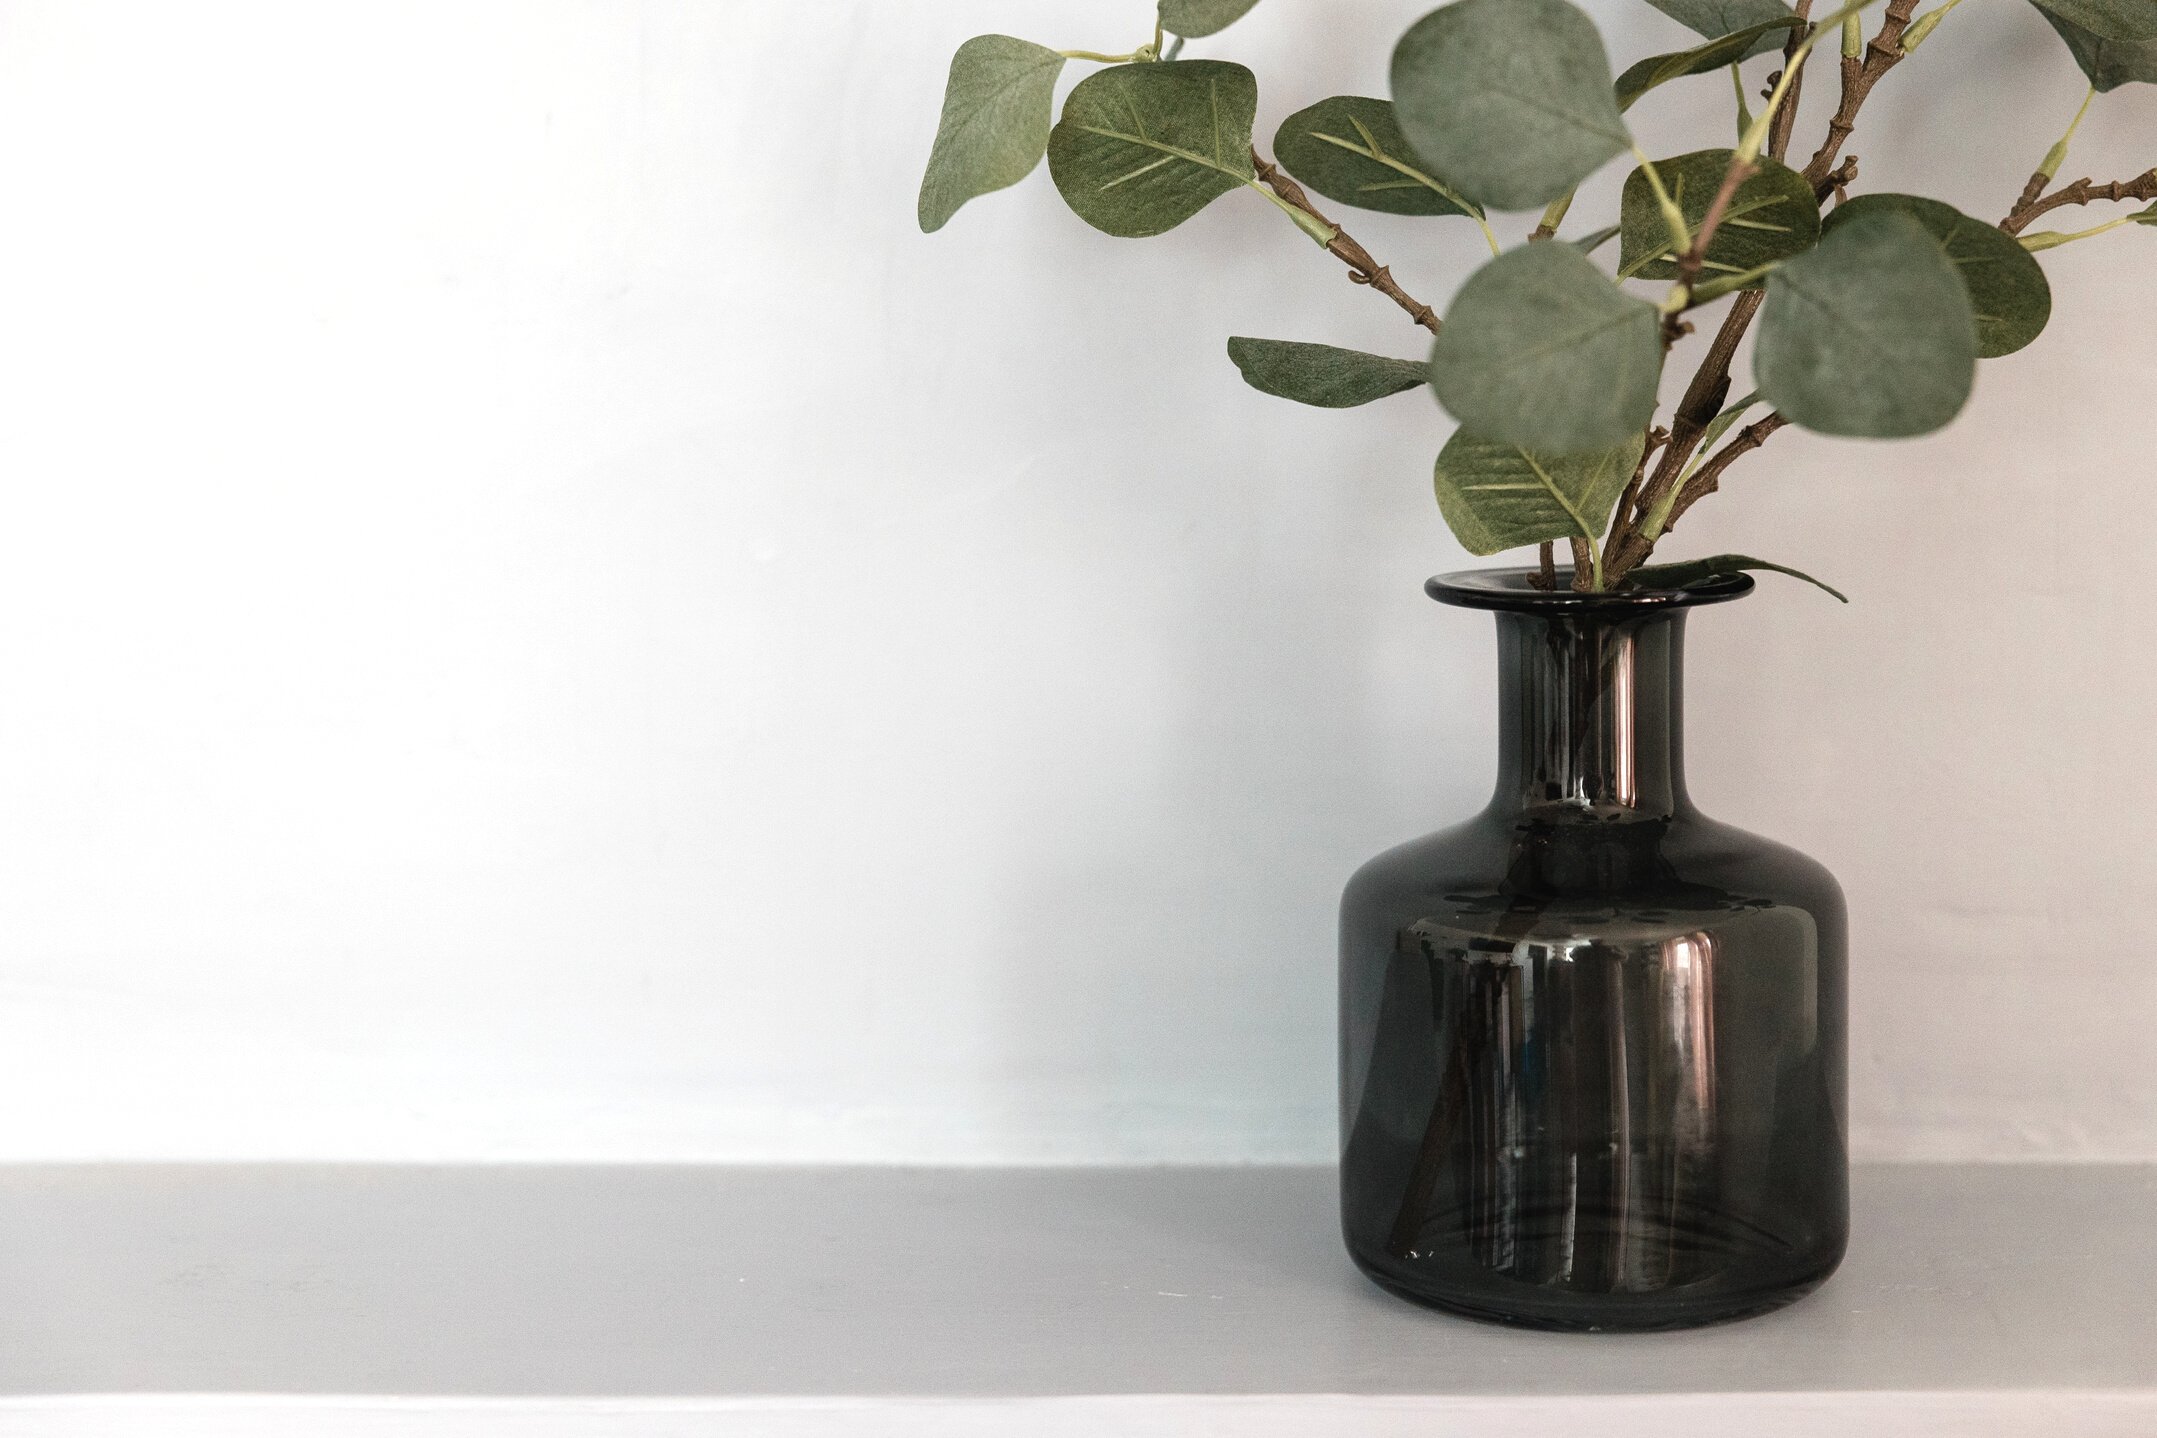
1594 240
1200 18
1772 216
1509 100
1142 148
1720 425
1725 50
1497 496
995 124
1725 17
1351 149
1542 350
1694 571
1323 375
2114 41
2008 290
1870 334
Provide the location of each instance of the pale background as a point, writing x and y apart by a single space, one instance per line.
540 618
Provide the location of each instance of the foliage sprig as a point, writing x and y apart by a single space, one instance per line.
1873 314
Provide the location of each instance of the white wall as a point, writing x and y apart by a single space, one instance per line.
540 618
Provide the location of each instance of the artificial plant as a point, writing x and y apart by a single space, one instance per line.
1872 312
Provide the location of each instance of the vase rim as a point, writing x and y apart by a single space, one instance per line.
1509 591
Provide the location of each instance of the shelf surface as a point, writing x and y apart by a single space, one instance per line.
745 1284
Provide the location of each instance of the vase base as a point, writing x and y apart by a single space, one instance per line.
1493 1299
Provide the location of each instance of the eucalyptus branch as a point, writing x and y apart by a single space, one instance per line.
1858 79
1709 477
1794 67
2054 157
1837 180
2053 239
1711 382
1550 367
1744 161
2081 192
1702 401
1362 267
1587 567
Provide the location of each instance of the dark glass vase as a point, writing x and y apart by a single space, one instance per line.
1592 1042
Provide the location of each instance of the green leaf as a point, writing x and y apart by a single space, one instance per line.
1196 19
1351 149
1323 375
1772 217
995 125
1497 496
1725 17
1869 335
1541 349
2114 41
1509 100
1589 243
1688 572
2145 217
1720 425
1724 50
2008 289
1142 148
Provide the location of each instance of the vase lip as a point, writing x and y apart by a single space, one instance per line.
1509 591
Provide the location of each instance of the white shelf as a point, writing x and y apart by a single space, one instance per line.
664 1301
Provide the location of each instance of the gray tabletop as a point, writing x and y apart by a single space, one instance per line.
626 1282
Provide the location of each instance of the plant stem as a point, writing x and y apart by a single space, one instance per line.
2054 157
1681 239
1587 568
1744 160
2053 239
1779 134
1758 137
1710 386
1708 480
1362 268
1553 217
1858 79
2081 192
1144 52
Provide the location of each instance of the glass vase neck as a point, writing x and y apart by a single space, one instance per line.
1590 714
1590 692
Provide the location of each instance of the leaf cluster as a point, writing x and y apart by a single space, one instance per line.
1873 312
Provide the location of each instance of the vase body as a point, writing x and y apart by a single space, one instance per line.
1593 1042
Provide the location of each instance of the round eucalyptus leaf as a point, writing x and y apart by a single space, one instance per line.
1497 496
1323 375
2007 287
1870 335
1142 148
1541 349
2114 41
1351 149
1509 100
1772 217
995 125
1196 19
1714 18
